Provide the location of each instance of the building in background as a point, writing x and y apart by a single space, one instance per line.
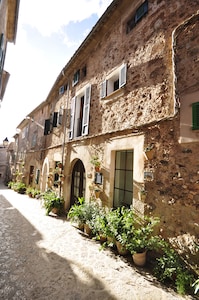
8 31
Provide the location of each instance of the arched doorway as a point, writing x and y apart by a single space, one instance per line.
78 182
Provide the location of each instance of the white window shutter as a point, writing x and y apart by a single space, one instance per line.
72 117
103 89
122 76
86 109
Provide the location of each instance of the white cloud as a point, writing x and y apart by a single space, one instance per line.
48 16
34 68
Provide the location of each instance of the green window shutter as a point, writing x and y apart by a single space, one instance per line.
195 116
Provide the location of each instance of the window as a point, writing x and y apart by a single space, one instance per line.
76 77
79 118
61 90
114 81
1 47
123 183
195 116
60 116
55 119
24 132
37 176
139 14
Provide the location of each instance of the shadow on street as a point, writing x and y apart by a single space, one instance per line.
30 272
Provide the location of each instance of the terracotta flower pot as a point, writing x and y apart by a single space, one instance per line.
87 230
139 258
121 249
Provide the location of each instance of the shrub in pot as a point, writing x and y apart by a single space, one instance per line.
141 237
52 202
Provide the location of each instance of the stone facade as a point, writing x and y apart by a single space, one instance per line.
149 75
8 30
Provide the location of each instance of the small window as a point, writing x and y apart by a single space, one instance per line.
139 14
60 116
61 90
195 116
76 77
47 127
114 82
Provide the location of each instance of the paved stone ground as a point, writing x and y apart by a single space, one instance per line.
43 257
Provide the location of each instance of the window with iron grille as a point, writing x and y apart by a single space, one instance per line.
123 180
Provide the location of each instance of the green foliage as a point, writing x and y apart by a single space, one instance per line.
51 200
76 213
19 187
141 237
170 267
95 161
11 184
33 192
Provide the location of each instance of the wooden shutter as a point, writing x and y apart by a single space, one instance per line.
72 117
103 89
55 117
1 47
141 11
60 116
47 127
86 109
122 76
195 116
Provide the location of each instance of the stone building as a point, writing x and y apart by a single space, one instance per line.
129 96
8 29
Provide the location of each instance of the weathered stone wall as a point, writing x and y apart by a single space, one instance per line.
147 50
173 195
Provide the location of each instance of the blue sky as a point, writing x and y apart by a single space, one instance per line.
47 37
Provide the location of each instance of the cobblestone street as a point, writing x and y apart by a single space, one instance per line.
43 257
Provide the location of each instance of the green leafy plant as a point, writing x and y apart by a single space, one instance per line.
32 192
170 267
95 161
141 237
51 201
20 187
76 213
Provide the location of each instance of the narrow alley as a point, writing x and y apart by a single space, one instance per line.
45 257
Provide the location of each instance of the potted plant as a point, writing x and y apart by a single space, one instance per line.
76 213
91 210
149 151
142 194
141 238
95 161
29 191
52 202
20 187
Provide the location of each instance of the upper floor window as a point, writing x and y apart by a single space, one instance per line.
195 116
24 132
76 77
1 51
80 107
114 81
137 16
